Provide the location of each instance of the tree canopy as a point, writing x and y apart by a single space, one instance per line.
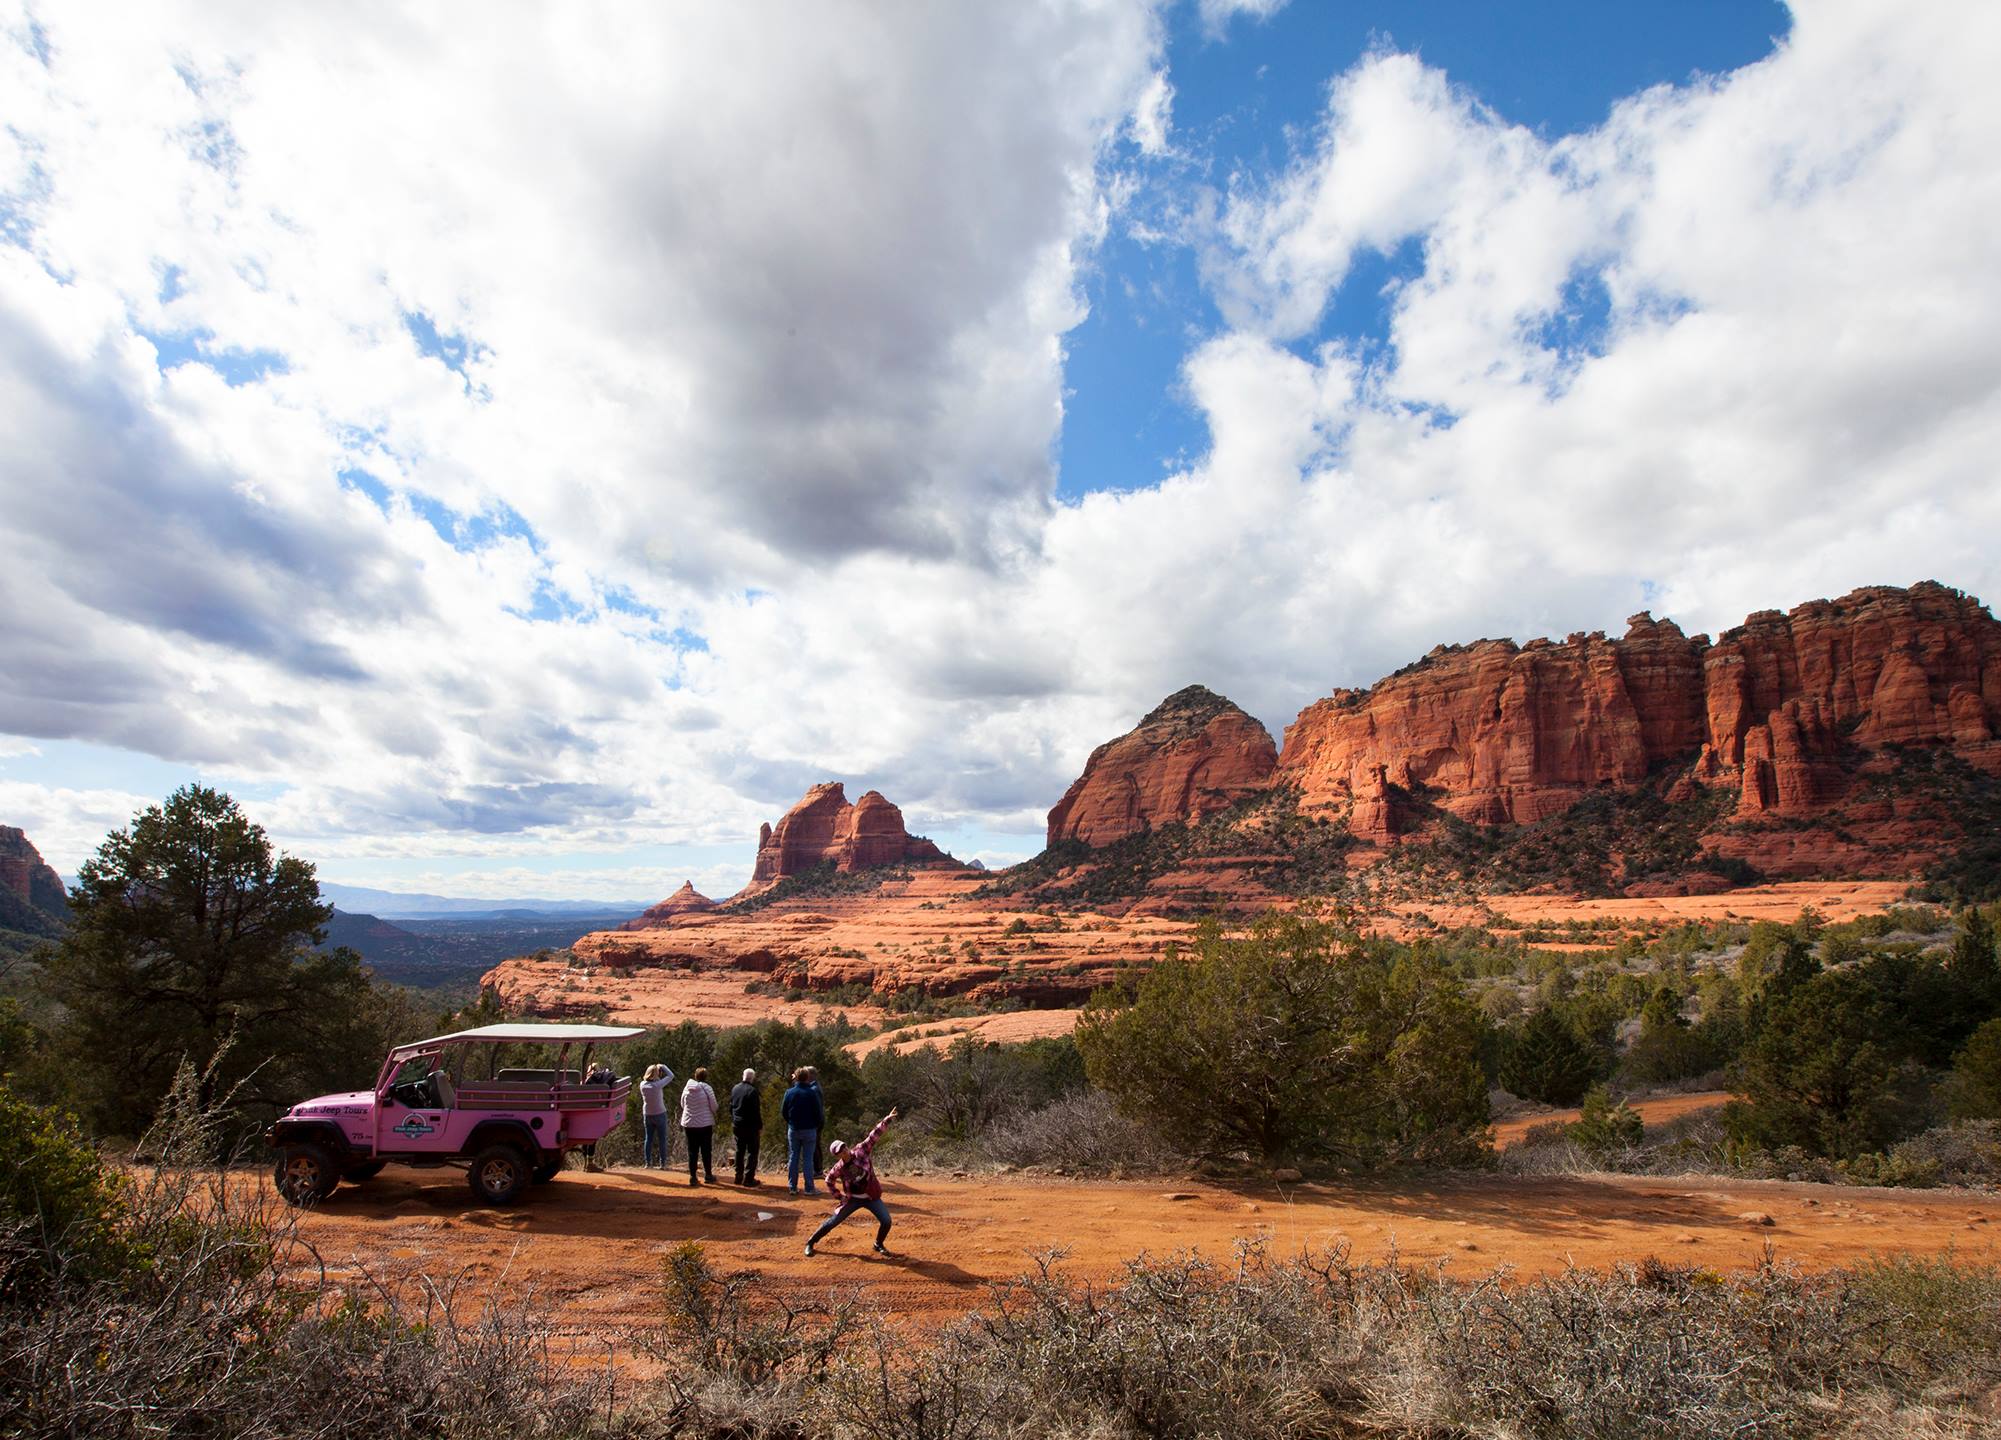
190 938
1299 1041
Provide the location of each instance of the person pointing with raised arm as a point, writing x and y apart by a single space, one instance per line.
851 1176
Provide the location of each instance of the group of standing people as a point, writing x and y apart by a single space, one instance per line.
803 1109
851 1179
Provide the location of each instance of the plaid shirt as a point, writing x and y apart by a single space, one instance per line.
854 1172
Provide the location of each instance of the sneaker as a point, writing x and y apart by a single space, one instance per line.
809 1249
882 1250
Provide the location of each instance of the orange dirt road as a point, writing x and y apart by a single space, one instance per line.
1653 1110
590 1246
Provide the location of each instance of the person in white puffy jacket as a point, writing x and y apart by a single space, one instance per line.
698 1123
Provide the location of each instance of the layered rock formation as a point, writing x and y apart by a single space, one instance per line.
1786 695
1778 709
824 828
1193 755
25 874
685 901
33 902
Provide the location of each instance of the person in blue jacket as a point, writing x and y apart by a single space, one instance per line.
803 1115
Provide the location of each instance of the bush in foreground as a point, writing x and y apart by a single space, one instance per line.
1298 1042
1322 1347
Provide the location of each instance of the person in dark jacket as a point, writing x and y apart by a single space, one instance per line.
803 1115
820 1135
747 1121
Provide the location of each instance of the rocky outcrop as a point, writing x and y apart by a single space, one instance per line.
824 829
1193 755
685 901
24 874
1502 733
1789 714
32 899
1778 708
1786 696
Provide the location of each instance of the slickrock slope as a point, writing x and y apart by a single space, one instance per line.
825 829
921 932
1193 755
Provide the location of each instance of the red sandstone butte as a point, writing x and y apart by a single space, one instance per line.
26 874
1779 708
1195 754
824 828
685 901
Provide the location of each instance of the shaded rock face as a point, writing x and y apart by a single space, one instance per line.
24 873
824 828
1195 754
685 901
1778 708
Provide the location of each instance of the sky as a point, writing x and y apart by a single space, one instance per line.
517 453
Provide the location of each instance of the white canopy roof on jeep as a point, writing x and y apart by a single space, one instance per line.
520 1035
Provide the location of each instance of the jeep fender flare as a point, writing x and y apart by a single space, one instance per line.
311 1132
513 1132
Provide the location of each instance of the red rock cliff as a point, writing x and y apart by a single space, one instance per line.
23 872
1784 695
1502 733
824 828
1193 755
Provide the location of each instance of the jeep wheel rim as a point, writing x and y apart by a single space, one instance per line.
495 1176
302 1175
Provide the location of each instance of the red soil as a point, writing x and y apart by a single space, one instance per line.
1653 1110
590 1246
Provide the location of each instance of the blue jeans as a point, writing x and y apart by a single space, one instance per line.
848 1207
799 1156
658 1140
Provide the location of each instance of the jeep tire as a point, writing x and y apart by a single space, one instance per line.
548 1167
499 1173
305 1174
366 1170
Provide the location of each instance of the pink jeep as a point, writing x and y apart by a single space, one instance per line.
445 1102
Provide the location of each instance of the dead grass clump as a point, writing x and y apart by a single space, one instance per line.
210 1331
1084 1134
1258 1349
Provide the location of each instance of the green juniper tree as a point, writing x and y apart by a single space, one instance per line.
1545 1060
190 938
1299 1042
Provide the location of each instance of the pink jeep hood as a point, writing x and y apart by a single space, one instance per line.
350 1103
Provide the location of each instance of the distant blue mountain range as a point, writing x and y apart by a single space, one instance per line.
397 905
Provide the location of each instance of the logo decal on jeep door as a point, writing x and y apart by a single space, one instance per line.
413 1127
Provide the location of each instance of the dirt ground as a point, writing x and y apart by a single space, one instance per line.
590 1246
1653 1110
